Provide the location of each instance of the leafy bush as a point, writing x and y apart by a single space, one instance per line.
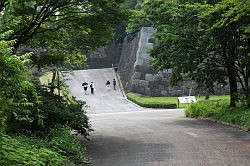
138 100
57 111
18 97
53 110
58 140
219 110
205 108
66 144
13 152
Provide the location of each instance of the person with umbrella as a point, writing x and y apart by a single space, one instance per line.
85 87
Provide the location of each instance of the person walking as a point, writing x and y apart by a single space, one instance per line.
92 87
85 87
108 84
114 84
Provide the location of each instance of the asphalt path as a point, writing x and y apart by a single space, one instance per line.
127 135
103 100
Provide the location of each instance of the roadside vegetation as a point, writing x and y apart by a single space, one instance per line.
217 108
220 111
35 123
153 102
43 36
167 102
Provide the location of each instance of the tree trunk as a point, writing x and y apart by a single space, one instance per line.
58 82
207 95
247 94
232 83
52 84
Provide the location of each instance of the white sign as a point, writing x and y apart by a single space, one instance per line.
187 99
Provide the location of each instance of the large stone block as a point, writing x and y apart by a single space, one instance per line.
135 83
164 92
140 68
138 89
149 77
143 83
136 75
161 87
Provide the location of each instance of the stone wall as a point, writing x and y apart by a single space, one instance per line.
138 77
136 74
127 60
104 57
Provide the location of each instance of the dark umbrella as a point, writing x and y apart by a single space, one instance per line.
85 83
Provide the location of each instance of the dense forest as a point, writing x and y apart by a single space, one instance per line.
207 41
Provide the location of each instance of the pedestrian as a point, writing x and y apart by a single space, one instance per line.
108 84
92 87
114 83
85 87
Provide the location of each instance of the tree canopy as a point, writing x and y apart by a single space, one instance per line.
69 26
206 41
85 23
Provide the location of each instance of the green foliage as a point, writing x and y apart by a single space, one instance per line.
66 144
60 32
129 4
137 20
206 42
58 140
14 152
58 111
149 103
205 108
18 95
62 25
219 110
30 110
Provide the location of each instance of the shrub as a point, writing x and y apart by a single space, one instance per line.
205 108
58 140
66 144
219 110
18 96
59 112
13 152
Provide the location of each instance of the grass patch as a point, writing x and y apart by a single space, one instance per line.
152 102
148 101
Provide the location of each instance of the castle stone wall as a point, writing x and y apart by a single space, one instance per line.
139 77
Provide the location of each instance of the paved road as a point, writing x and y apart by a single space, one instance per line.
104 100
127 135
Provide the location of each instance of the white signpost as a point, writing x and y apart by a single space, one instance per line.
186 99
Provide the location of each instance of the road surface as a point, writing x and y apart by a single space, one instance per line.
127 135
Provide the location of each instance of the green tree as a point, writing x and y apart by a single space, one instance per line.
82 23
226 25
18 96
206 42
64 29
